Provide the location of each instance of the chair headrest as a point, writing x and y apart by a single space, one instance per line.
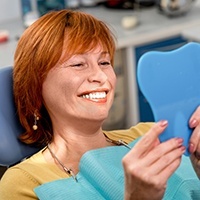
11 148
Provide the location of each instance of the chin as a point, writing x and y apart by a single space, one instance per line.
100 118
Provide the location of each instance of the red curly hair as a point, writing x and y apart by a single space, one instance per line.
39 49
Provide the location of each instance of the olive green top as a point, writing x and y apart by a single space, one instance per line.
19 181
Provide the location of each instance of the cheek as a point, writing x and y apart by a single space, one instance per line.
57 97
60 87
112 79
52 88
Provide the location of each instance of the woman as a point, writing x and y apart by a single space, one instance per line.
64 86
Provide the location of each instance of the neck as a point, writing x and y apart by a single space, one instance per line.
69 146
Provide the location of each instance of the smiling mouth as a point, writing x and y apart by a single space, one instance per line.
95 95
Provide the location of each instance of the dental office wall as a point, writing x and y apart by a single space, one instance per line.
9 10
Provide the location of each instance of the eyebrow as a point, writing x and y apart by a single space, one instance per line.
102 53
105 52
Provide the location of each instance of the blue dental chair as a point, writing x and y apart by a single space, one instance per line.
12 150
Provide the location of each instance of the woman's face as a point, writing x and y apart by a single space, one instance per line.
82 88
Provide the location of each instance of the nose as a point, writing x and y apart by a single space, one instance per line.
97 74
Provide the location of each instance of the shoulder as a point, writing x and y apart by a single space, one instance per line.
19 181
12 183
128 135
38 170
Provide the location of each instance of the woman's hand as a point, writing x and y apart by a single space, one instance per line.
194 146
149 164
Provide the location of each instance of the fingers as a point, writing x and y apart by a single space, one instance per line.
169 152
196 163
149 139
195 140
149 164
164 168
166 152
158 165
195 118
194 122
162 158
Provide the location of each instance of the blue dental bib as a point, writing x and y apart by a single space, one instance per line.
101 177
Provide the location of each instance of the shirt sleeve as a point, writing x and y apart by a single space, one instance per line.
128 135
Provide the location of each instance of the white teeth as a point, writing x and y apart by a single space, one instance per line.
96 95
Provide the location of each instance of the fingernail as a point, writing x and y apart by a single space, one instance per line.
163 123
191 148
183 149
179 140
193 123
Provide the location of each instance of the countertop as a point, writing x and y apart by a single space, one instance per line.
192 34
152 26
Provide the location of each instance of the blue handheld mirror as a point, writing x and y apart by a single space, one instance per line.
170 81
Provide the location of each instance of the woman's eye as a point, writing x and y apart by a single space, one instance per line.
66 65
77 65
106 63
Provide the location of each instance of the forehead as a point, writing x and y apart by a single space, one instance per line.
67 53
95 50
